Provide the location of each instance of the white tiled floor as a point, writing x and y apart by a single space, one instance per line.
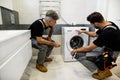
59 70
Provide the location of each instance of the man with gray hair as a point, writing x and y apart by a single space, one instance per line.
44 44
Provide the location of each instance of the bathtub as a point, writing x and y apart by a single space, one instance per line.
15 53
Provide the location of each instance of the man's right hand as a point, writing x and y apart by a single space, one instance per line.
56 44
73 52
80 31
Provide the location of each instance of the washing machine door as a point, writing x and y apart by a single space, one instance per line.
75 41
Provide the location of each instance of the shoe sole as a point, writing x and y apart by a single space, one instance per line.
40 70
103 78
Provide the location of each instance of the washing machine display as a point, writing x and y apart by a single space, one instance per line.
72 40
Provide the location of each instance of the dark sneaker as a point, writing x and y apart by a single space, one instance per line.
102 74
41 67
48 59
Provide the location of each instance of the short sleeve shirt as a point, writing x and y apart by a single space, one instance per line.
37 28
108 37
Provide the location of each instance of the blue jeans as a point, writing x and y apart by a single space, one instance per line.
44 50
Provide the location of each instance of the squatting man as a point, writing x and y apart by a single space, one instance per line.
107 35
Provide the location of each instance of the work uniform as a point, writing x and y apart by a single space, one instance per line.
37 30
108 38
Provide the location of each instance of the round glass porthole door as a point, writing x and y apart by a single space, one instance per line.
76 42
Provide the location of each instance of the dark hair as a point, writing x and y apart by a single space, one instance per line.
95 17
52 14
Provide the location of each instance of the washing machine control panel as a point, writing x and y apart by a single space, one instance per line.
83 29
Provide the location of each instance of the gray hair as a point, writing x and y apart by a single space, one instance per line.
51 14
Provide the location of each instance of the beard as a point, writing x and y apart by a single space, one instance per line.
97 27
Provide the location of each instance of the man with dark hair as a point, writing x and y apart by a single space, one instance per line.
95 17
44 44
108 36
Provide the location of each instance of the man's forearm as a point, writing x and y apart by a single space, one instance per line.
93 34
83 49
43 41
50 32
86 48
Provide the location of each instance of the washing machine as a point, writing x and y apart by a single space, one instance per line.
72 40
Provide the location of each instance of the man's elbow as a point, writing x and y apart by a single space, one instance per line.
91 47
40 40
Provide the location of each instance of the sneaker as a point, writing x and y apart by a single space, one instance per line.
41 67
102 74
48 59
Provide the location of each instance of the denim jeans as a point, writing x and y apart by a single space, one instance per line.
44 50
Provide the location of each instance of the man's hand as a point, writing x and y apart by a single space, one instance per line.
73 52
56 44
80 31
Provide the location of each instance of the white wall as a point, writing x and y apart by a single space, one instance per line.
76 11
102 7
28 10
6 3
114 11
72 11
110 10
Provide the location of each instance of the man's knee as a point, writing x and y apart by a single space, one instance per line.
43 47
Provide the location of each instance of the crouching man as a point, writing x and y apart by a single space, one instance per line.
108 36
